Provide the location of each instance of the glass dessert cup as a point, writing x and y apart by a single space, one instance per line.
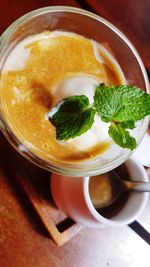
93 27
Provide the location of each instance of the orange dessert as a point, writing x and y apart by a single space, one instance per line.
38 73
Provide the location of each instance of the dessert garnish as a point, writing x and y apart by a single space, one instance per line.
120 106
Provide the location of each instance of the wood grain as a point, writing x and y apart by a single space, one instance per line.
36 186
33 184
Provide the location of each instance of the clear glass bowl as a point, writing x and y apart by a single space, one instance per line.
91 26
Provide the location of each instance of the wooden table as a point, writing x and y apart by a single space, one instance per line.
24 242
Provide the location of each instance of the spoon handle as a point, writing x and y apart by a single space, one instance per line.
138 186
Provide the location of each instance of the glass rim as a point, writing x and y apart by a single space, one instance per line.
81 11
71 167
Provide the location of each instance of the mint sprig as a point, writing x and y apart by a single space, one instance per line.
121 106
121 103
121 136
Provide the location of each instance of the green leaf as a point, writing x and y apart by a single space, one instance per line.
121 103
107 102
73 118
122 137
128 124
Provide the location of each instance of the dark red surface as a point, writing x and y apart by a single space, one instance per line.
24 241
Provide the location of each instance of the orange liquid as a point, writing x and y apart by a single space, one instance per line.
27 94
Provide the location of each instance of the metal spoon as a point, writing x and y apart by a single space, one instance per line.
120 186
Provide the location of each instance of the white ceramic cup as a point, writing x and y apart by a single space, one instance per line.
71 195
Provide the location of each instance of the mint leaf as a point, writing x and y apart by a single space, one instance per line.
128 124
135 104
73 118
107 102
121 103
122 137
